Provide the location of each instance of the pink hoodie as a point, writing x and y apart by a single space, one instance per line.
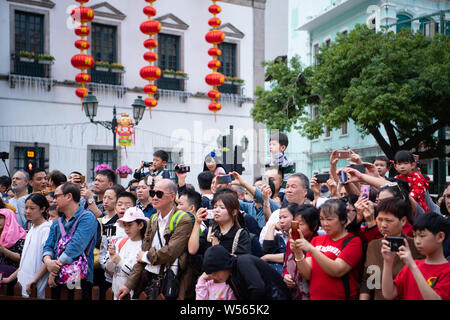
12 232
210 290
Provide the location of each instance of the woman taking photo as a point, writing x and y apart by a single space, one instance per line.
333 261
224 227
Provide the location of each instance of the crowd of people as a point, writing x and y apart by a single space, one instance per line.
354 233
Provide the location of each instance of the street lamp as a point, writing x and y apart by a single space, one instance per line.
138 109
90 105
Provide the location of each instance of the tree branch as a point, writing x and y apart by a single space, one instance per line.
387 149
428 131
391 135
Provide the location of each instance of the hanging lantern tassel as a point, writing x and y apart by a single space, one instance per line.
215 78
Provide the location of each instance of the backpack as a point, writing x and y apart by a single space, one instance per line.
78 269
173 223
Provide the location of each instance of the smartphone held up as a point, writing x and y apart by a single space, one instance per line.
294 230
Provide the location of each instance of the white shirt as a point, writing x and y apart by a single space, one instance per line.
274 218
121 271
31 258
162 223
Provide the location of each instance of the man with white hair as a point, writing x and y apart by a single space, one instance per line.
19 186
164 245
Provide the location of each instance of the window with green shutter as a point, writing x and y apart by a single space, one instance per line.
169 59
29 36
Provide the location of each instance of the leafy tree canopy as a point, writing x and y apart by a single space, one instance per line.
394 86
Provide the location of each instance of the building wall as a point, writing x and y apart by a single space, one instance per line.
55 117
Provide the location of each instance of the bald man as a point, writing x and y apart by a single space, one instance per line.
158 251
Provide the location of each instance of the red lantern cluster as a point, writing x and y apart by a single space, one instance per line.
215 78
150 73
82 61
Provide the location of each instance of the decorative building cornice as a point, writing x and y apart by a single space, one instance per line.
231 31
258 4
112 12
39 3
172 21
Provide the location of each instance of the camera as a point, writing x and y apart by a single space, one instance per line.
147 164
4 155
182 169
322 177
395 243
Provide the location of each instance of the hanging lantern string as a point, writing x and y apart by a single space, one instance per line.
215 78
82 61
151 72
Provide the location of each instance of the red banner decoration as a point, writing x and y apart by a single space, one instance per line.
82 61
215 78
150 73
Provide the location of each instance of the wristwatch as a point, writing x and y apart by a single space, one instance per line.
90 201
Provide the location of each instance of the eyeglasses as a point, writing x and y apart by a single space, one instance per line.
56 195
158 193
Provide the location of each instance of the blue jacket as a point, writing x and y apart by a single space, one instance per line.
258 214
85 231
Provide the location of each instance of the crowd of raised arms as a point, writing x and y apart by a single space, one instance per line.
368 231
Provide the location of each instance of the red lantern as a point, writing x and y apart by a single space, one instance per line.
83 78
81 92
214 64
214 106
82 14
150 56
151 43
215 79
215 52
214 22
149 11
82 31
82 44
82 61
150 73
150 27
150 89
215 36
214 9
214 95
151 102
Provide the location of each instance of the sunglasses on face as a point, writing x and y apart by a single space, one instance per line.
158 193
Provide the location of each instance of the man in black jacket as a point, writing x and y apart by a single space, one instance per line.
249 277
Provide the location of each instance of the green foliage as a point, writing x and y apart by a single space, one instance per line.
283 105
383 82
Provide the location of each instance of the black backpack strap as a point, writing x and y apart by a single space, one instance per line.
345 278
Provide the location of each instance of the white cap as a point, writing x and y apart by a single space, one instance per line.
132 214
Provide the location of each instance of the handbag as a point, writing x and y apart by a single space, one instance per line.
78 269
170 284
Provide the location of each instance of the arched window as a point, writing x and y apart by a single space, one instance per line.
403 17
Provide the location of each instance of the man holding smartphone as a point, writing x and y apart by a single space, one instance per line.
390 221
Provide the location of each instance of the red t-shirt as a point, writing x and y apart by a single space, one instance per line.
437 276
325 287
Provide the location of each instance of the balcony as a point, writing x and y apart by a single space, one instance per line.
30 72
